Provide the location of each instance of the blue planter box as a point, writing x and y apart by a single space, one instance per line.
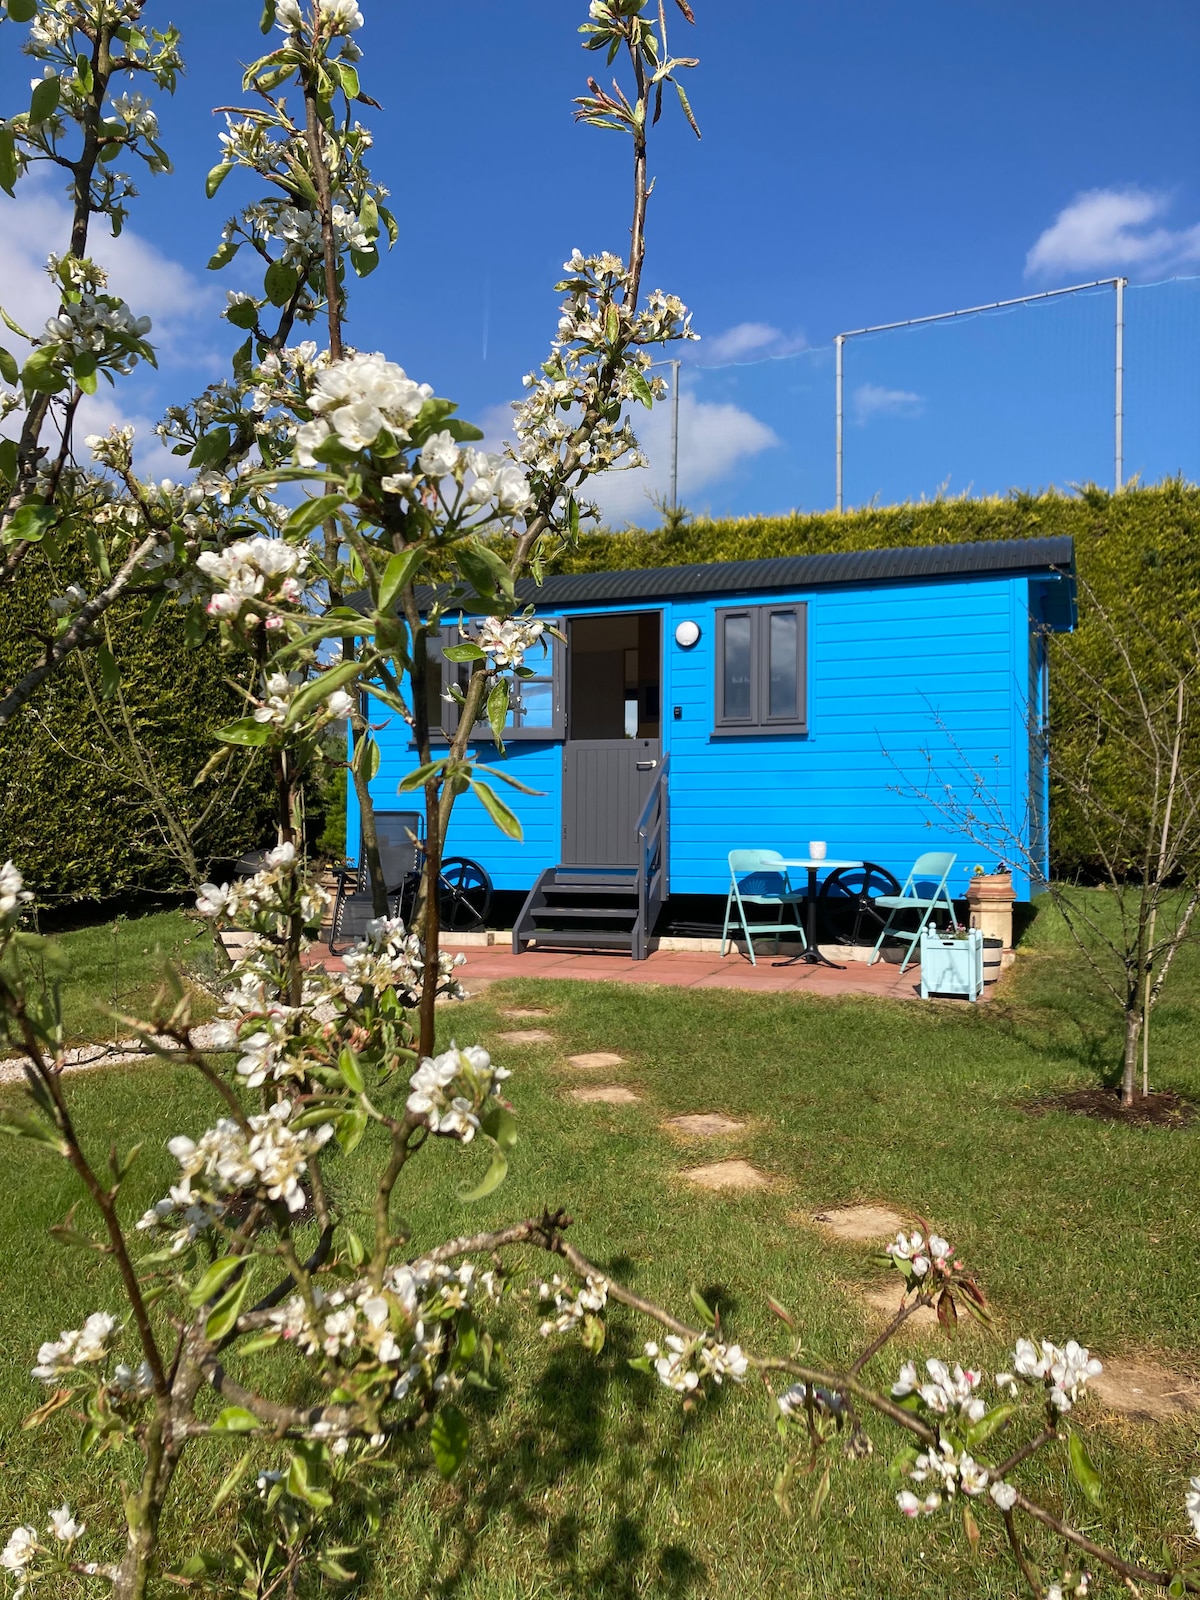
951 966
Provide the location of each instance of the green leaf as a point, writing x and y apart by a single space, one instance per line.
491 1180
44 101
8 366
312 513
22 1127
242 314
216 178
989 1424
280 282
83 366
320 688
268 16
463 652
398 572
463 432
8 161
484 570
364 262
212 448
491 802
497 710
8 459
231 1480
350 1127
350 1070
236 1419
227 1310
368 216
500 1125
110 673
302 1489
43 373
244 731
449 1438
215 1278
641 390
350 84
1083 1469
29 524
820 1497
706 1313
21 10
224 254
420 776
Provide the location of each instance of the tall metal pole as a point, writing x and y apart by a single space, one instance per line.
675 435
837 343
1119 417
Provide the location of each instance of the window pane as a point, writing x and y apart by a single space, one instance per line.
736 669
784 663
537 704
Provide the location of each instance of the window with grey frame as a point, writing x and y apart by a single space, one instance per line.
535 708
761 669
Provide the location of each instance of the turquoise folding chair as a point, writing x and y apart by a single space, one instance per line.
759 878
925 891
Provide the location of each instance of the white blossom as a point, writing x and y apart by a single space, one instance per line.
440 455
64 1527
270 1157
468 1070
1191 1502
1064 1371
356 399
1004 1495
13 893
76 1347
508 641
20 1551
569 1305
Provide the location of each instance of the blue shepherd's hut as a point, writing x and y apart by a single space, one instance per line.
866 699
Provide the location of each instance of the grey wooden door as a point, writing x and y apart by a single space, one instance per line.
605 785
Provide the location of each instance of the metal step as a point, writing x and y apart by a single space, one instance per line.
578 891
583 913
588 939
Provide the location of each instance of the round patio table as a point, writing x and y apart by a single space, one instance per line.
811 954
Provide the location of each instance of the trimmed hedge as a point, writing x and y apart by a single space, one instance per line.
81 831
1139 551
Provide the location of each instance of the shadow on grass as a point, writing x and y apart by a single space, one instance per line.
583 1432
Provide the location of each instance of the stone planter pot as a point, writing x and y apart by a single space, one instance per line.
990 897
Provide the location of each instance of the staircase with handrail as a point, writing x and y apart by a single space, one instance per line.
605 907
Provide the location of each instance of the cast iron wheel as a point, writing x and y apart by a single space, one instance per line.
845 900
464 894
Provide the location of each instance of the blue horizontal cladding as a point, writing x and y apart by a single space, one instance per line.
511 863
917 704
911 688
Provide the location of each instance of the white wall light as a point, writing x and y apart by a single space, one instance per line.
686 634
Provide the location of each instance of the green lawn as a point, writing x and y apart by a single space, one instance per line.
115 966
589 1479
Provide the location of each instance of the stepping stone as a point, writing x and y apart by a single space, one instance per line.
609 1094
703 1125
517 1012
885 1298
726 1175
860 1224
1145 1391
528 1036
595 1058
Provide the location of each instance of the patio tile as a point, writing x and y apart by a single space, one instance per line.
609 1094
726 1175
591 1059
528 1036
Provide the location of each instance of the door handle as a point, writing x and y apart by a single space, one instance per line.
646 766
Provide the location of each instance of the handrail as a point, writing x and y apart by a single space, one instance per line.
652 857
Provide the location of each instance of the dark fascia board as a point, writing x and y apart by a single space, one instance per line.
909 564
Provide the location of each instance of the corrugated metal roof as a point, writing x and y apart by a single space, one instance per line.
910 563
805 572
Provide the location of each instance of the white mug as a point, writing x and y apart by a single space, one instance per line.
816 849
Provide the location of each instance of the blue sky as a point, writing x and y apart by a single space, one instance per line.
860 163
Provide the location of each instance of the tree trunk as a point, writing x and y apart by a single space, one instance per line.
1133 1034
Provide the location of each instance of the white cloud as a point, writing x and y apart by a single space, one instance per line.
38 222
1110 230
714 438
873 400
745 341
